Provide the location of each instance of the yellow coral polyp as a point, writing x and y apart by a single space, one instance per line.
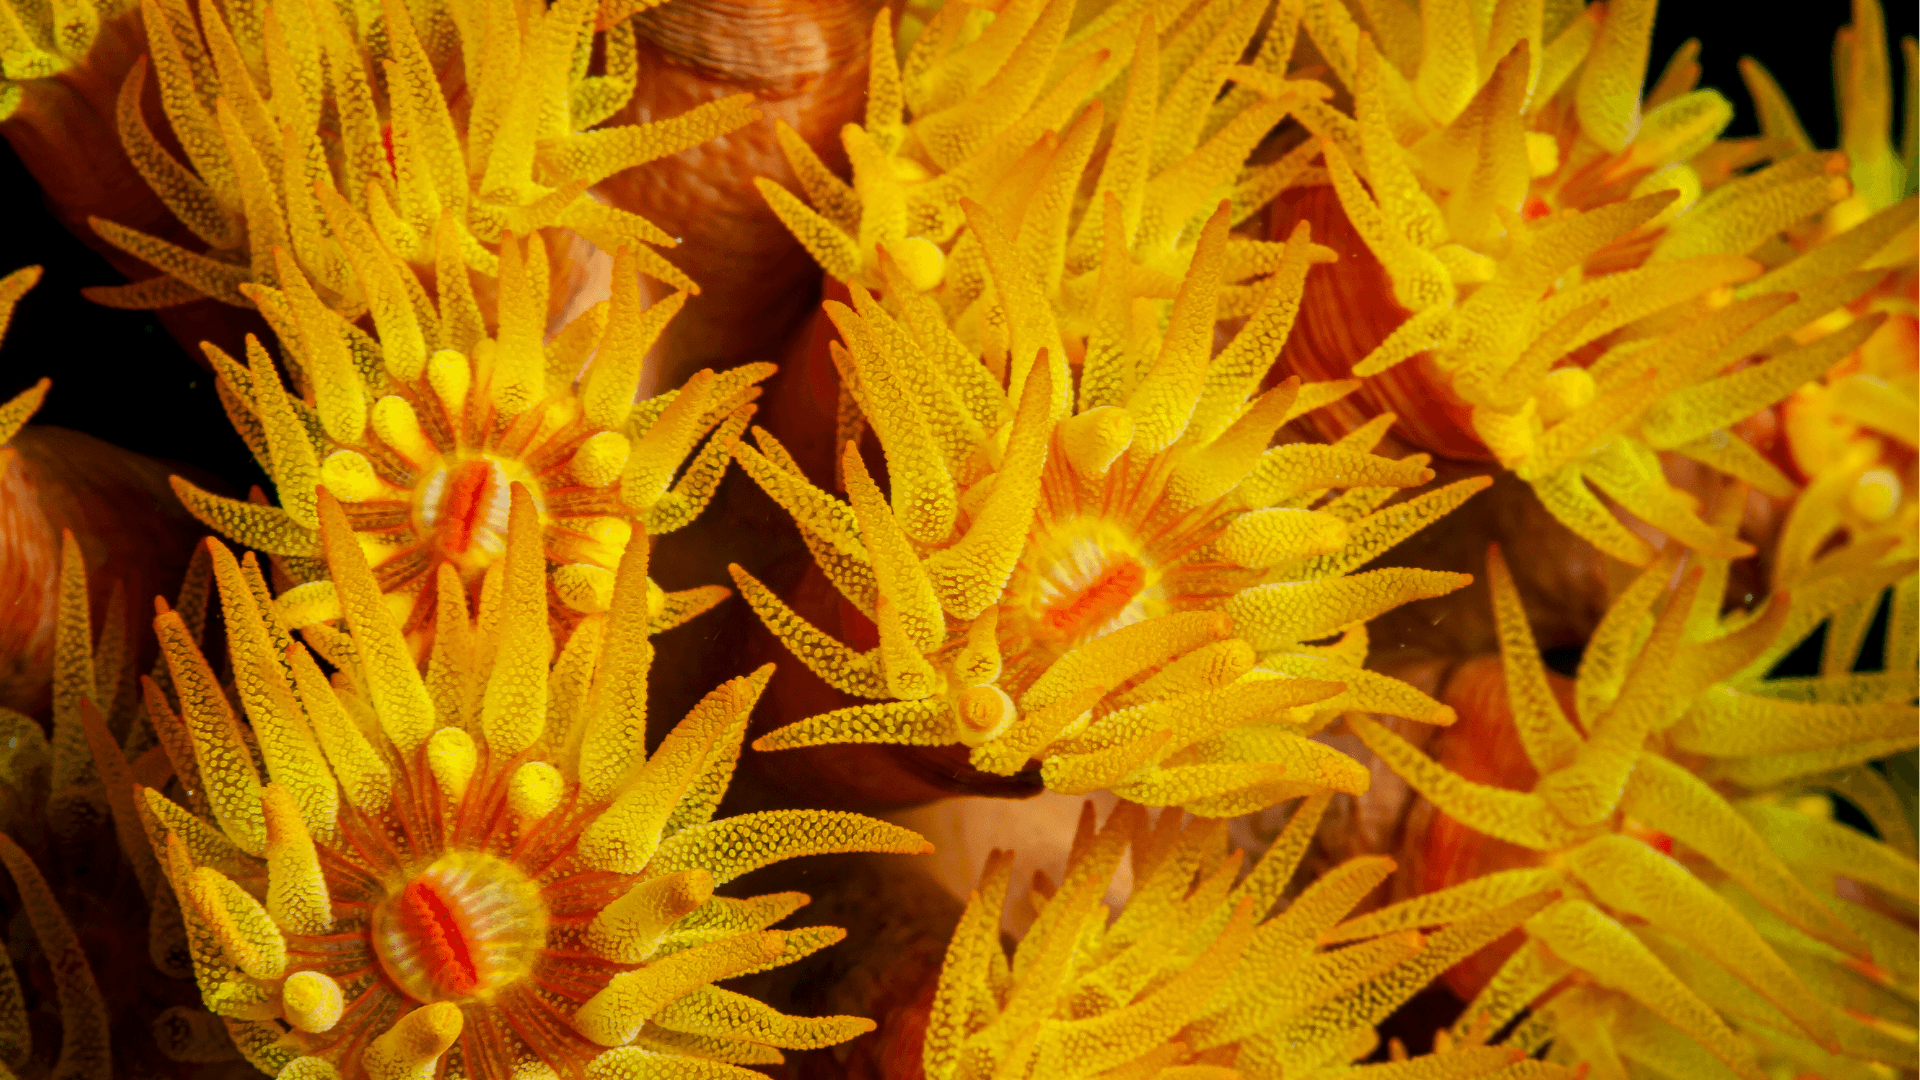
1196 974
1634 250
1005 108
424 450
388 890
334 136
1723 954
1076 479
1135 590
1851 432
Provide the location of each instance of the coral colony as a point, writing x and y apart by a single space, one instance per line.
1186 363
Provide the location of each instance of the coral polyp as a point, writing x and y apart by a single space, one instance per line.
1577 274
458 872
1004 108
1704 912
1129 591
1848 433
425 449
1446 497
295 120
1196 971
458 245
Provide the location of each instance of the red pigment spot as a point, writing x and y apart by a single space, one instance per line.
460 506
1093 606
426 917
1653 838
386 141
1534 209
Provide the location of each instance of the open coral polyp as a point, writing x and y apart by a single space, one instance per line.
1127 590
1203 971
1583 278
1706 910
398 117
481 866
423 433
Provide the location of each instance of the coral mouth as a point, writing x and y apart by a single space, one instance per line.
463 929
1084 583
463 506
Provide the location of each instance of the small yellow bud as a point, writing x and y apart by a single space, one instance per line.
311 1001
534 791
399 428
920 261
584 588
1876 495
984 712
452 757
350 477
599 460
1563 392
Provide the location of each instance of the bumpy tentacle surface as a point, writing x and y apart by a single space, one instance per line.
1588 275
422 433
1135 590
1708 904
388 874
333 134
1197 969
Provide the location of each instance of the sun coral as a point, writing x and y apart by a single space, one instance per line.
447 239
423 433
1581 278
1125 590
479 866
1704 911
1850 435
481 132
1197 975
994 106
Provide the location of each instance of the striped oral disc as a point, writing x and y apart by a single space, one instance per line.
461 929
